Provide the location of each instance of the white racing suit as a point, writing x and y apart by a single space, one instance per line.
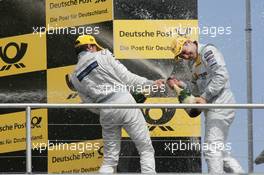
211 81
99 78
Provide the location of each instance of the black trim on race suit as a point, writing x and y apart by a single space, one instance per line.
87 70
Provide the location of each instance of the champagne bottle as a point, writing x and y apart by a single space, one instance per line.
185 96
139 96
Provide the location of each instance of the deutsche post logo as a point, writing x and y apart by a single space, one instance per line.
35 122
10 61
167 115
100 152
71 87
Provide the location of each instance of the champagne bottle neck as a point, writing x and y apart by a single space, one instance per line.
177 89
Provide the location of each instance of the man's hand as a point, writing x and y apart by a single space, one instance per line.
173 81
159 83
200 100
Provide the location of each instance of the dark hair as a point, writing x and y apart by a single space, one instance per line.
80 49
83 48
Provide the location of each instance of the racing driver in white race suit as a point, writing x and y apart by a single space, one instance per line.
210 81
96 76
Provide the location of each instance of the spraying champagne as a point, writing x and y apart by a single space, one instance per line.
185 96
141 96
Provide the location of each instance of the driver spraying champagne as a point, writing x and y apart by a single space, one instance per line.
96 78
210 79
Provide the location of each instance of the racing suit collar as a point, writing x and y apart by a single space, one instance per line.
200 48
198 60
81 54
